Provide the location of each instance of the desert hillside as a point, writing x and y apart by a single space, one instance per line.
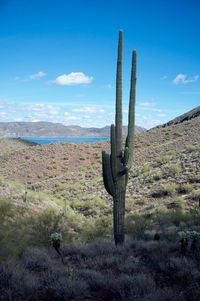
58 188
169 154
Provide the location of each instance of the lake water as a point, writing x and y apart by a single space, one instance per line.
48 140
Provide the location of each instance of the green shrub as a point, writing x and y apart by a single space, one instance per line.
146 169
97 228
169 187
5 208
195 178
194 148
135 225
45 224
171 170
88 207
166 157
195 195
1 181
184 188
178 202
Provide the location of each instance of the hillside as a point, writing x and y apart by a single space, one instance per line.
48 166
49 129
65 194
184 117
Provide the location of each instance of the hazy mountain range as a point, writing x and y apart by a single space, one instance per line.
49 129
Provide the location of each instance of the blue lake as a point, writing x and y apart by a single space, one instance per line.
48 140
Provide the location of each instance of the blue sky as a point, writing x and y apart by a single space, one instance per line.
58 59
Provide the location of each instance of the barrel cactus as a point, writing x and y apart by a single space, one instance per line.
117 164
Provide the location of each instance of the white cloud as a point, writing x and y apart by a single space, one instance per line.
88 109
66 114
184 79
42 111
3 114
147 104
72 117
72 79
37 75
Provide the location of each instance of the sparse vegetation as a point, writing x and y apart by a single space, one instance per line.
195 195
171 170
151 265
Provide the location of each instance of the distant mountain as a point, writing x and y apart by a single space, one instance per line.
49 129
184 117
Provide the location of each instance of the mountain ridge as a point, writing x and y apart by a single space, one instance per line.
195 112
49 129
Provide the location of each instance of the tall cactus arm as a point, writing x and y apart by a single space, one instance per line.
131 117
113 155
118 115
107 174
126 156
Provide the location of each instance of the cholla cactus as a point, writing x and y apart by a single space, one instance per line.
195 237
185 237
55 239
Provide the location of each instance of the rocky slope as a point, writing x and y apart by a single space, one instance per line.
58 188
165 160
184 117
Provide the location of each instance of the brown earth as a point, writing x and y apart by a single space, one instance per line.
73 171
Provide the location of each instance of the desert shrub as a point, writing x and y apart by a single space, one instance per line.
135 225
5 208
169 187
184 188
178 202
194 148
13 242
195 178
36 260
91 206
146 169
17 284
164 189
195 195
133 286
181 270
45 224
175 217
158 192
171 170
155 253
1 181
191 292
157 175
95 228
94 279
108 262
130 266
164 158
93 249
162 294
60 286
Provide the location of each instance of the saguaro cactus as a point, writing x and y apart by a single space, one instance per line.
117 164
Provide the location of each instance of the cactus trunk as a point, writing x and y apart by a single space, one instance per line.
118 217
117 164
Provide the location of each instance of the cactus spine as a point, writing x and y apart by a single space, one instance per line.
117 164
